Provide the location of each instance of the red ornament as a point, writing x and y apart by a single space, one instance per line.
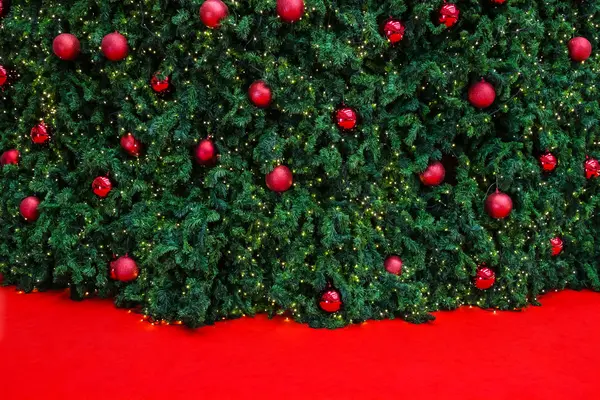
548 161
556 245
29 208
280 179
4 7
482 94
206 152
260 94
331 301
160 85
592 167
124 269
131 145
3 75
290 10
66 46
449 14
114 46
580 48
212 12
101 186
40 133
434 174
393 29
345 118
498 205
10 157
393 265
498 1
485 277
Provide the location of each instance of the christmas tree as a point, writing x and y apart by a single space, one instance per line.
334 161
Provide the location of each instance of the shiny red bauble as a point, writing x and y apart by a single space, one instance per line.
393 29
10 157
101 186
498 1
260 94
212 12
159 85
114 46
290 10
4 7
131 145
482 94
393 265
449 14
548 161
66 46
346 118
206 152
40 133
556 245
331 301
434 174
3 76
485 278
592 167
29 208
498 205
280 179
124 269
580 48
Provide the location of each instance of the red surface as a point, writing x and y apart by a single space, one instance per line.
51 348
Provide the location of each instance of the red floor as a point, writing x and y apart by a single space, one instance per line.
54 348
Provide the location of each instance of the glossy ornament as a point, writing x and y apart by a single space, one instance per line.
548 161
346 118
66 46
4 7
580 48
206 152
592 167
498 1
29 208
449 14
290 10
212 12
485 277
101 186
10 157
434 174
3 77
393 265
124 269
131 145
260 94
482 94
393 29
40 133
556 245
331 301
280 179
498 205
115 47
158 85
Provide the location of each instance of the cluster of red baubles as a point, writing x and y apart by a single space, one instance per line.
212 12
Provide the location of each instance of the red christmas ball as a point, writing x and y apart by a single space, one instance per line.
280 179
101 186
160 85
393 29
4 7
485 278
131 145
393 265
29 208
580 48
449 14
346 118
290 10
557 246
260 94
498 205
482 94
10 157
206 152
592 167
66 46
498 1
434 174
114 46
548 161
40 133
124 269
212 12
331 301
3 76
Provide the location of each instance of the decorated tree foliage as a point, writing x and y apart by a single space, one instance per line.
334 161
